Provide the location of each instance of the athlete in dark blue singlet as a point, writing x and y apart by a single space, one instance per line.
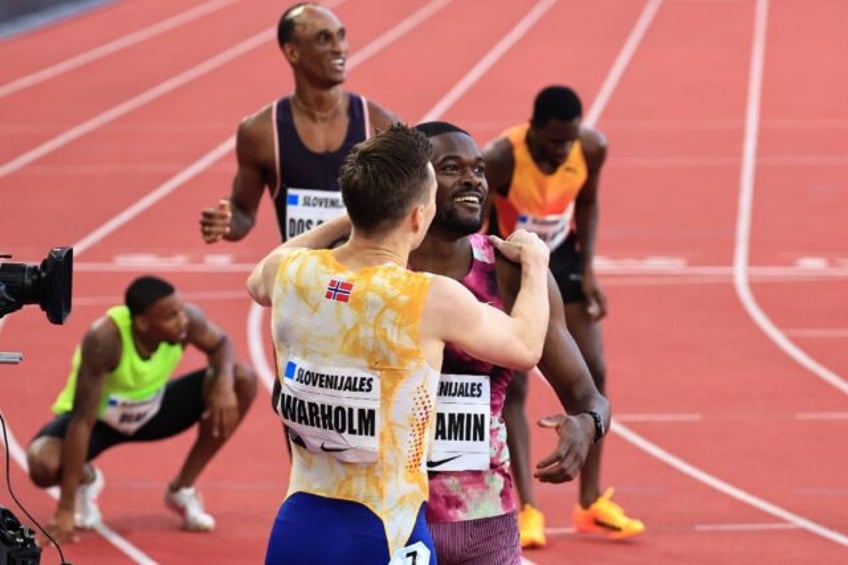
317 124
307 191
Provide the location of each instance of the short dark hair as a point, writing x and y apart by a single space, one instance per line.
384 176
556 102
432 129
144 292
286 25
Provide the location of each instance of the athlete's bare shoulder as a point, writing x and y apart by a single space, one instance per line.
500 163
257 124
255 139
594 144
379 117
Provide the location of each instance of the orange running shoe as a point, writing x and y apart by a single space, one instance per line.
606 517
531 527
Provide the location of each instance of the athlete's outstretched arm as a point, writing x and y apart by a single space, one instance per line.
564 368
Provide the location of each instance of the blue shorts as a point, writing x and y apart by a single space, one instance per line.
314 530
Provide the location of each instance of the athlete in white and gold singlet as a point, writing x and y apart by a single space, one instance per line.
359 342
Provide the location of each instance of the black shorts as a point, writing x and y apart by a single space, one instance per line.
181 408
566 266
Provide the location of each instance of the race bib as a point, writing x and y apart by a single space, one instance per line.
307 208
461 430
552 229
128 415
332 410
415 554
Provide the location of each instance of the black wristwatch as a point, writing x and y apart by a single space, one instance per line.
600 431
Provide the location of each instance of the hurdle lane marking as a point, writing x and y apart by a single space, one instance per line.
114 46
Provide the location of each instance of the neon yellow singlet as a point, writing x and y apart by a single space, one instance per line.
356 390
134 378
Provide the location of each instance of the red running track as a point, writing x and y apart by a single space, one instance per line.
721 244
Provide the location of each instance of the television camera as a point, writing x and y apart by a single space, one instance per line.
49 285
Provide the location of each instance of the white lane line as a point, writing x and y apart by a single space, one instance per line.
139 100
131 551
769 526
200 296
822 416
489 59
76 61
746 205
133 103
691 471
760 527
656 417
622 61
632 275
817 332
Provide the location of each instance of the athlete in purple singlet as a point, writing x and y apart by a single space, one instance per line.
471 513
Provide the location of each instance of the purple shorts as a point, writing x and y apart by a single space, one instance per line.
478 542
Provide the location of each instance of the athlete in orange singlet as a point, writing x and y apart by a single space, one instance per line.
543 176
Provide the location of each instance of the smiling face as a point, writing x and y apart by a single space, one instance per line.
318 49
462 187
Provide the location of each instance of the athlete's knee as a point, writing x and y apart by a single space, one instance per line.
43 460
245 382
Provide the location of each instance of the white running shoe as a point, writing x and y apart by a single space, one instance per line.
189 504
86 513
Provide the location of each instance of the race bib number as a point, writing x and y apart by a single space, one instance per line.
332 410
307 208
463 419
552 229
415 554
127 416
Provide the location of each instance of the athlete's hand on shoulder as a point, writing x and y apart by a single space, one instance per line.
222 408
215 222
60 527
573 444
522 247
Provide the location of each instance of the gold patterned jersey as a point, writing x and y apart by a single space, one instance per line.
357 395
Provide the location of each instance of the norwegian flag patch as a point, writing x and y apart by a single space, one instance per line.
338 290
